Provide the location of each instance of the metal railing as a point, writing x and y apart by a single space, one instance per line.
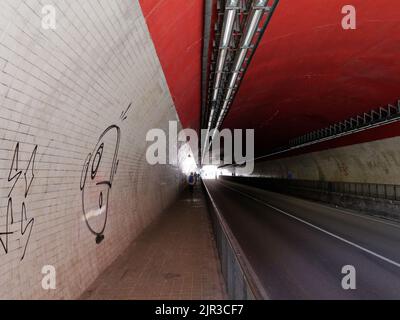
240 280
366 121
376 117
370 190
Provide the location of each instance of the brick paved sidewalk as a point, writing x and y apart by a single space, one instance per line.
175 258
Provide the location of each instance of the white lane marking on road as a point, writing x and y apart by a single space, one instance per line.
318 228
359 215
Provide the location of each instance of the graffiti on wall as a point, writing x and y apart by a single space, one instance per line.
97 178
124 114
19 227
96 182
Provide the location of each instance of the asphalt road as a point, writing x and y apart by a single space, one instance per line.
298 248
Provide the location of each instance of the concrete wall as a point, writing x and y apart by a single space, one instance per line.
372 162
60 91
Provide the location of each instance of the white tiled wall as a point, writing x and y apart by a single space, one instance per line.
59 90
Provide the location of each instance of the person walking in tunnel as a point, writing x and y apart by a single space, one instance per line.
191 182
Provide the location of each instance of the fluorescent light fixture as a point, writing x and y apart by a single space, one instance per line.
215 94
217 80
240 60
220 69
229 20
229 93
233 80
260 3
221 59
228 27
211 114
226 103
251 28
234 3
256 15
253 20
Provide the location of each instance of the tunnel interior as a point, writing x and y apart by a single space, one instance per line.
138 135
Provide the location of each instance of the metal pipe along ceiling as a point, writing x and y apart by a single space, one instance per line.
251 18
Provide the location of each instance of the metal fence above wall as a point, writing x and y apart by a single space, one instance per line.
371 190
373 118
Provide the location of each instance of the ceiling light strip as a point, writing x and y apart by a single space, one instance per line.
259 7
231 8
229 19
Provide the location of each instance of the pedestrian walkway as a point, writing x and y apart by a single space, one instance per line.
175 258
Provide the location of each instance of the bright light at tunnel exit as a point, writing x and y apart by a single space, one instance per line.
188 165
209 172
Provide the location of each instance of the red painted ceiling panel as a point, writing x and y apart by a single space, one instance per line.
308 72
176 28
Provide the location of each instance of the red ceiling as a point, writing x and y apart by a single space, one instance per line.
308 72
176 28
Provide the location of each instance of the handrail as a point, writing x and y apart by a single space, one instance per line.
249 275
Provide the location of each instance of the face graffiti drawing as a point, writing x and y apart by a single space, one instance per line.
97 178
